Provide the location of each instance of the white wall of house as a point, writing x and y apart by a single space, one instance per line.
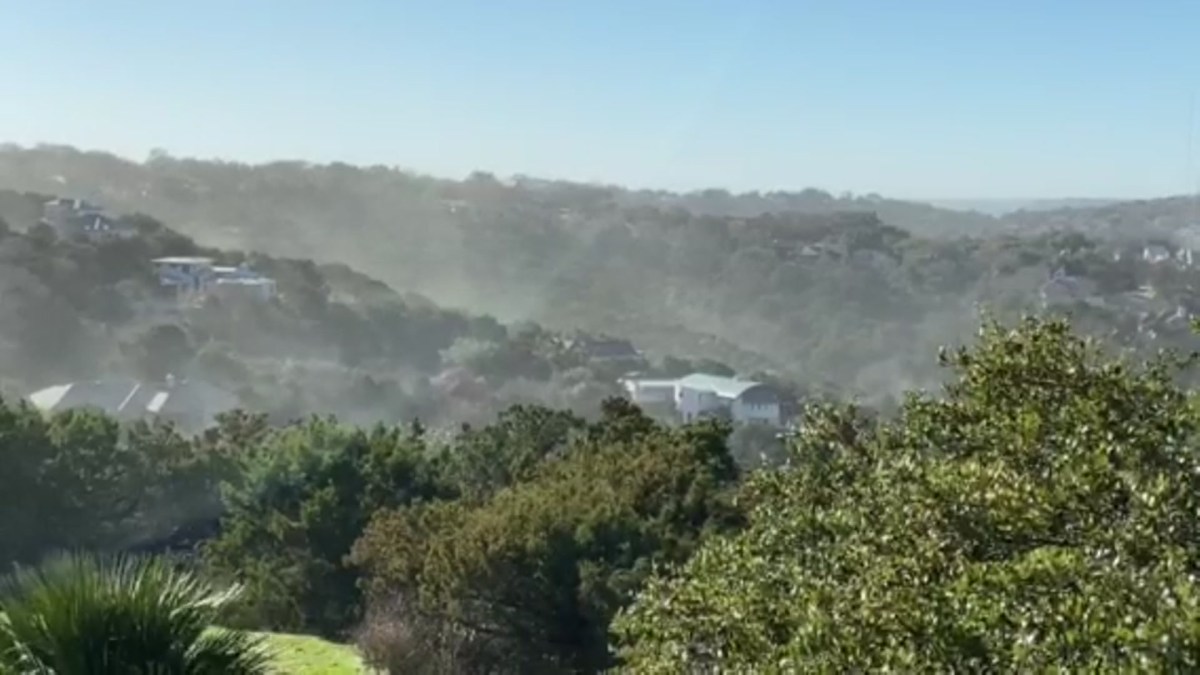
692 403
650 392
260 289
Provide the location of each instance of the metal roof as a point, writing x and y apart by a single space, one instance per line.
244 281
111 396
183 260
127 398
651 383
725 387
49 398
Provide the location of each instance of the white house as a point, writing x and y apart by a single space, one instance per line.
699 394
1156 253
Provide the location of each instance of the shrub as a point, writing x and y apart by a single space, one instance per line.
83 615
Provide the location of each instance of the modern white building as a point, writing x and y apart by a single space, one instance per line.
699 394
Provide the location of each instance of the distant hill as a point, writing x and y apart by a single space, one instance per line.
1002 207
849 291
1169 217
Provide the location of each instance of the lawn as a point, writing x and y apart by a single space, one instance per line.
307 655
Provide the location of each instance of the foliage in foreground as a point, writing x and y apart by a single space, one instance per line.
1041 515
83 615
305 495
528 579
82 480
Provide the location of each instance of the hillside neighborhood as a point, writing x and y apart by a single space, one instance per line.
189 281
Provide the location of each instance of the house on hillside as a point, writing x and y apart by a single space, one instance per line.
1160 252
241 282
1156 253
185 275
700 394
191 277
77 217
602 348
189 404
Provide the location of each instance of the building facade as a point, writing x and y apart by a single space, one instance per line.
77 217
192 277
702 395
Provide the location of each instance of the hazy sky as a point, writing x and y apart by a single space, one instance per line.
917 98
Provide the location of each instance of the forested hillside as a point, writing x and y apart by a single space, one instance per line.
1038 513
478 500
846 293
332 341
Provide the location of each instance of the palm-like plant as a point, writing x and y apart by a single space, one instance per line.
85 615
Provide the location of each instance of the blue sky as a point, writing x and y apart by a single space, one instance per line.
916 98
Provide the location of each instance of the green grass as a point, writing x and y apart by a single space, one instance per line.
307 655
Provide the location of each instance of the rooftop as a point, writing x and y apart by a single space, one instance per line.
129 398
77 204
725 387
641 382
245 281
183 260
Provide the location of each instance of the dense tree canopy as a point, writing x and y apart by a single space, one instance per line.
533 575
1040 515
304 495
82 480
